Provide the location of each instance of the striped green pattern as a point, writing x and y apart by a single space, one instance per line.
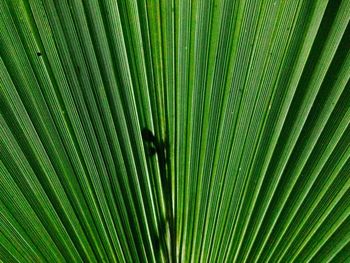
174 131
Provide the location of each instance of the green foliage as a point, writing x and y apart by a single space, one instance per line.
174 131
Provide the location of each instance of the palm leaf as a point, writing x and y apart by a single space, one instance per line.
174 131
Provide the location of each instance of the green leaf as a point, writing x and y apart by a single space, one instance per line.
174 131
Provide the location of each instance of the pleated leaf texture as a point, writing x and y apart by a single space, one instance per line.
174 131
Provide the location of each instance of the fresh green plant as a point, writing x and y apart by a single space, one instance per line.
174 131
